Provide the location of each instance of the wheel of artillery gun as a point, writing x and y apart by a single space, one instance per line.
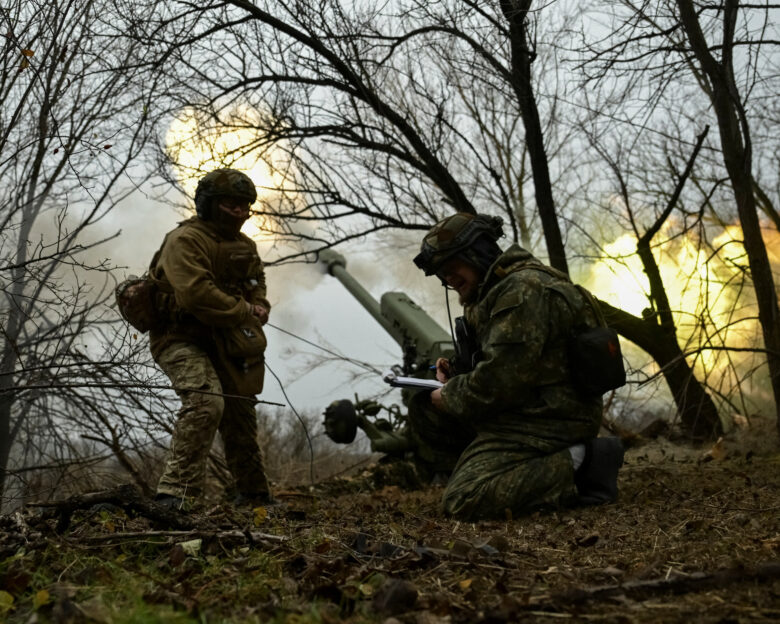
341 421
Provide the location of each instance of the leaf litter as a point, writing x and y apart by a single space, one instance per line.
694 536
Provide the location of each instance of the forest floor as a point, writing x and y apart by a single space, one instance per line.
695 536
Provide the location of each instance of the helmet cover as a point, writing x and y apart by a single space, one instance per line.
222 183
453 235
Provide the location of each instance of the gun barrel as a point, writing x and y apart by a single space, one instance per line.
336 266
422 339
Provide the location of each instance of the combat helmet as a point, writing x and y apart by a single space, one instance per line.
472 237
220 183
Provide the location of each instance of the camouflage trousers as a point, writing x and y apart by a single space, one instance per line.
497 477
437 444
493 475
204 412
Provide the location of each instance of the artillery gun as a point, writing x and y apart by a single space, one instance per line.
422 341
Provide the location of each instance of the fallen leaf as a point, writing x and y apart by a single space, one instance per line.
41 598
6 601
191 547
176 556
718 452
465 584
261 513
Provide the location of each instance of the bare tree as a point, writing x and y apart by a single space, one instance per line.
724 51
72 122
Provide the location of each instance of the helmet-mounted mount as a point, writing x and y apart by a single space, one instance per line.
453 235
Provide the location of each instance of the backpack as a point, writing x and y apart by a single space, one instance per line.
595 357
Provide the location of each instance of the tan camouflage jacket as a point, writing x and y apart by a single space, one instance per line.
213 280
521 387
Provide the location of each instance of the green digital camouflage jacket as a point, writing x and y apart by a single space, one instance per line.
521 388
213 279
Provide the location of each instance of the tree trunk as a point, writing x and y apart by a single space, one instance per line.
698 414
516 13
5 434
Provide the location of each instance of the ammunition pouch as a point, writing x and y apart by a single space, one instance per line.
467 351
245 341
240 353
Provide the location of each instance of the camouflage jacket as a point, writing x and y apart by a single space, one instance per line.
211 280
521 387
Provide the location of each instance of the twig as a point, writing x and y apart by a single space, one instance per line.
677 583
233 534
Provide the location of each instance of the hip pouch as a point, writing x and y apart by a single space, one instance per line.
136 299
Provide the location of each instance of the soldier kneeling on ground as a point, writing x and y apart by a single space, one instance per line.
529 392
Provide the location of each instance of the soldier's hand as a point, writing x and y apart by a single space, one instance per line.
261 313
436 400
443 370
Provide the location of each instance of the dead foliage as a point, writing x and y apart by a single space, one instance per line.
695 535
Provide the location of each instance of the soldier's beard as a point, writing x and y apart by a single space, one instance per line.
469 297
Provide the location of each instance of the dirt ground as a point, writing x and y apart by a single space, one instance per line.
694 537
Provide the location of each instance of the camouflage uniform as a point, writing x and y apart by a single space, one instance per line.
519 398
213 277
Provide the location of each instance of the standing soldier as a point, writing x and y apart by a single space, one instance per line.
534 440
213 296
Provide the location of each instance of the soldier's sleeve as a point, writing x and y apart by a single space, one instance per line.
258 294
512 344
187 266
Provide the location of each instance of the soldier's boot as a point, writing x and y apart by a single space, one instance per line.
383 441
169 501
596 478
